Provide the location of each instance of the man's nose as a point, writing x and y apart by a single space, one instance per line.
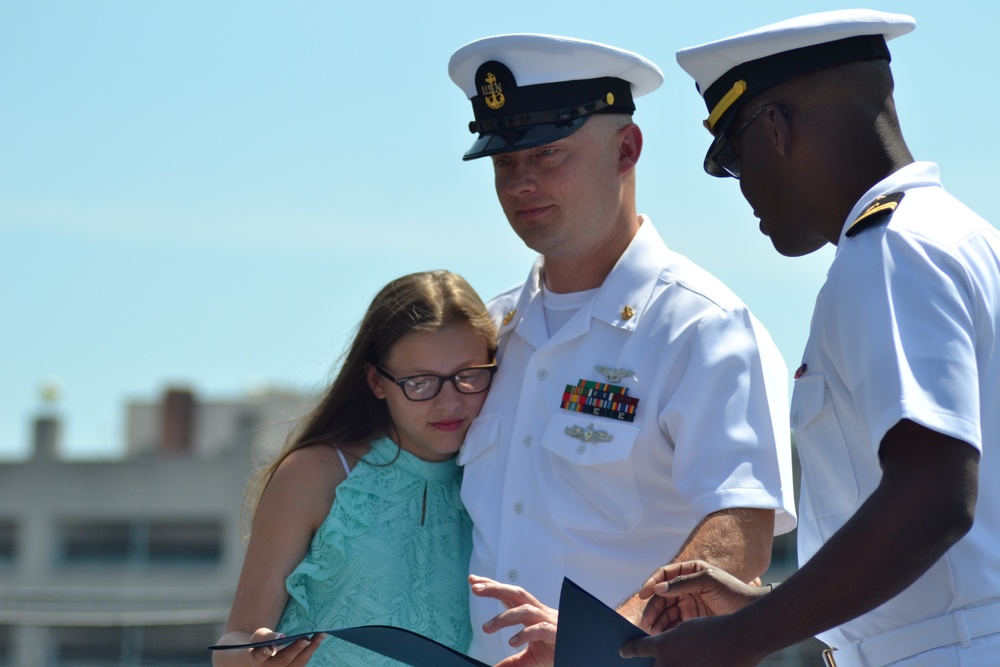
520 179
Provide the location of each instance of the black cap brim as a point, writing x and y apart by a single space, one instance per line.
712 167
518 139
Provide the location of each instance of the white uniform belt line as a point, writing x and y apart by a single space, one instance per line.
958 627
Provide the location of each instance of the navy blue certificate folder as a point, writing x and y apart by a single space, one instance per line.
404 645
590 633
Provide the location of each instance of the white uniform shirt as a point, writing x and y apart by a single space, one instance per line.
710 433
906 327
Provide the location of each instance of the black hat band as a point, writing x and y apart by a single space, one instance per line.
767 72
503 105
542 117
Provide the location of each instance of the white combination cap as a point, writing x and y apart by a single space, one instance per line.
731 71
529 90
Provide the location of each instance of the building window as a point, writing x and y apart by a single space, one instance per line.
95 542
141 543
149 645
6 645
88 645
185 541
178 644
8 542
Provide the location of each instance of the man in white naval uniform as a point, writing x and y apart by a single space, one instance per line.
639 411
898 395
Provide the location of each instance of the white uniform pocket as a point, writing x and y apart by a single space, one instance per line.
828 479
593 485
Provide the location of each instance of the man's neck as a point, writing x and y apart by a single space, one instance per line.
576 274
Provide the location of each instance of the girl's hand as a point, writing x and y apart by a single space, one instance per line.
296 654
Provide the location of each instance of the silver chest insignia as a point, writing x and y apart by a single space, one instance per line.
614 374
589 434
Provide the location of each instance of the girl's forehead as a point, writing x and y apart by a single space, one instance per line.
449 342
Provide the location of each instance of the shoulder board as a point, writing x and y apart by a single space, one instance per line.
877 212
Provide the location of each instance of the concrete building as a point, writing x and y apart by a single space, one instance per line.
134 561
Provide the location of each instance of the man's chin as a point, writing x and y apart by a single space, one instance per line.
794 250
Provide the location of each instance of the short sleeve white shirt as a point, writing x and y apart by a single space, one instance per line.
904 328
710 432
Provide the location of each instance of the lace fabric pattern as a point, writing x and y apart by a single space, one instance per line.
394 550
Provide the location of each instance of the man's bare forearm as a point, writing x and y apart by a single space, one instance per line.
737 540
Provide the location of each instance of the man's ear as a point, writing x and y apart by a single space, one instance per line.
779 122
629 147
374 381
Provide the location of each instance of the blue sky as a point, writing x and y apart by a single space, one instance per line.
209 193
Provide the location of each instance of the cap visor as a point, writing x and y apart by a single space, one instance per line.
712 167
523 137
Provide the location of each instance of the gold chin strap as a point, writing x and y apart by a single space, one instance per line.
727 101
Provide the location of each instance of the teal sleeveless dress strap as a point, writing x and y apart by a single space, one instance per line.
394 550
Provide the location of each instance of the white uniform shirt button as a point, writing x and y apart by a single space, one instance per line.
795 419
512 575
580 449
542 374
518 508
527 441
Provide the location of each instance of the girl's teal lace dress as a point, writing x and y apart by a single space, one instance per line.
394 550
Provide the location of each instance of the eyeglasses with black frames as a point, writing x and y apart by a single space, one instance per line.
727 154
424 387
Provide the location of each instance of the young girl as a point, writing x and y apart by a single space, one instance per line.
359 519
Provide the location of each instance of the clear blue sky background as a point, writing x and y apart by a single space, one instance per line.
209 192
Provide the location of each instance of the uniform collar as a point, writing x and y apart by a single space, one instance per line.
620 301
532 329
913 175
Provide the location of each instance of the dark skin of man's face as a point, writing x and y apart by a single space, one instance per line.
771 181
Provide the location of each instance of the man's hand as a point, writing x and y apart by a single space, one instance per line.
524 609
693 589
698 599
709 642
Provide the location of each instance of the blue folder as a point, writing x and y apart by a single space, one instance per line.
589 633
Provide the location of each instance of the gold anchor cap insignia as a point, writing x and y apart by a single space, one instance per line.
509 316
493 92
